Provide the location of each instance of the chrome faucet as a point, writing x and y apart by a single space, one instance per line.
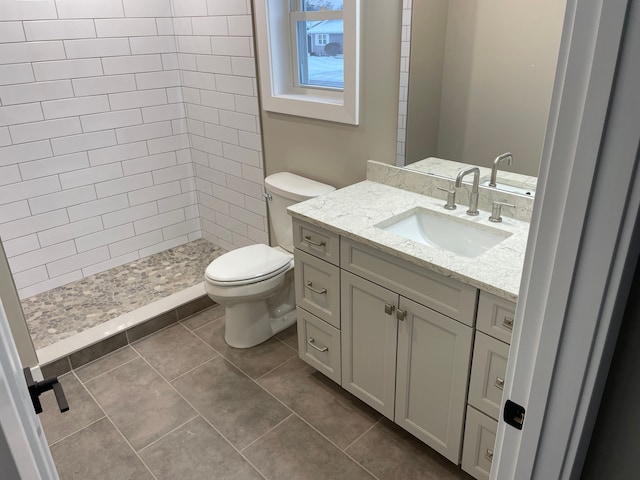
505 157
473 196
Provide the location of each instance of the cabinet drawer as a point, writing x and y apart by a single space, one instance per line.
495 316
316 241
487 374
318 287
479 441
319 345
447 296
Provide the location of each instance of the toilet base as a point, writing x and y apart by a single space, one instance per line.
251 323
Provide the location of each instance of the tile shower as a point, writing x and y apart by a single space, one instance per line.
127 128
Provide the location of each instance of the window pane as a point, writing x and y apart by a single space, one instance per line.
320 53
316 5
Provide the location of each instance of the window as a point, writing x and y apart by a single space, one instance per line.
308 53
322 39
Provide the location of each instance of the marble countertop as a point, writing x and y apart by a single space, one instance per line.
354 212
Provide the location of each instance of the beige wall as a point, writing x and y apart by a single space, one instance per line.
499 67
336 153
425 77
13 309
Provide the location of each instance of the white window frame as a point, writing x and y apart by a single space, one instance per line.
320 37
277 62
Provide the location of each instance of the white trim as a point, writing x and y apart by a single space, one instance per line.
580 241
277 67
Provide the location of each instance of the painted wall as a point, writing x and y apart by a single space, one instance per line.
216 57
104 157
499 100
336 153
492 76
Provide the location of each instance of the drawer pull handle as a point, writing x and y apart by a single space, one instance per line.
508 323
389 308
312 242
489 455
320 291
401 314
499 383
312 343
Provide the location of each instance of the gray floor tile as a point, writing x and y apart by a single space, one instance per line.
196 451
106 363
290 336
194 306
204 317
97 452
254 361
295 450
174 351
83 410
98 350
235 405
389 453
151 326
140 402
337 414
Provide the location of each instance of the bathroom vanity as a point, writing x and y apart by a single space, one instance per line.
418 332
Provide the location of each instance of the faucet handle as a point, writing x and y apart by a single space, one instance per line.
451 198
496 211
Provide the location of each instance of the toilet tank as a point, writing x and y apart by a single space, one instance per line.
288 189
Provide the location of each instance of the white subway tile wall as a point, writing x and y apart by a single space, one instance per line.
126 127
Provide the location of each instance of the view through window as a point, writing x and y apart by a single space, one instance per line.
320 44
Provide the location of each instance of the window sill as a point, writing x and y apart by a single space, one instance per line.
312 106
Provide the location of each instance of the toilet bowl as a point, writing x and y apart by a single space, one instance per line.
255 283
243 281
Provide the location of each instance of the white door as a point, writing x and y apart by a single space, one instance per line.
24 452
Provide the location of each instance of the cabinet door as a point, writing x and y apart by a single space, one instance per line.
433 368
369 335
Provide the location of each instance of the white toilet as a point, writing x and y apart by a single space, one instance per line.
255 283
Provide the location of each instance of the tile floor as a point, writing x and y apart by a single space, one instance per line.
180 404
73 308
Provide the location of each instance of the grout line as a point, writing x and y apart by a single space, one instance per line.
364 433
275 368
80 429
292 414
169 432
108 371
208 422
121 434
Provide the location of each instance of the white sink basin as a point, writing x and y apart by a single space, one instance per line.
445 232
510 186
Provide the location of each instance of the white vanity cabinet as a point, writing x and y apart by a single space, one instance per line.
399 337
403 358
489 365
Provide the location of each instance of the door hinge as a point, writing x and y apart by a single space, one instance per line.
513 414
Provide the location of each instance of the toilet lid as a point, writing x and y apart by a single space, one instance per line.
248 264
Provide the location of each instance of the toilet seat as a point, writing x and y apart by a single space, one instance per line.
248 265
